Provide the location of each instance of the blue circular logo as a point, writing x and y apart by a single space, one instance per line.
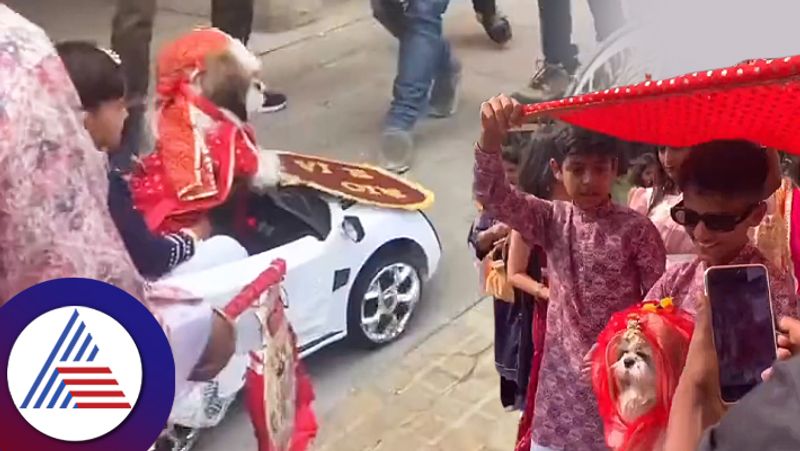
87 368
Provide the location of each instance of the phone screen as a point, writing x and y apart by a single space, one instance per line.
744 332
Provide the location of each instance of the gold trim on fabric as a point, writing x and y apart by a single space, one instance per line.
202 160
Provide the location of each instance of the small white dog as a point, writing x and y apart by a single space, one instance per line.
636 379
642 353
635 376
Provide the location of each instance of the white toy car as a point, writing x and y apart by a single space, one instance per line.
352 270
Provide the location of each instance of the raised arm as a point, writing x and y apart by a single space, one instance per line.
527 214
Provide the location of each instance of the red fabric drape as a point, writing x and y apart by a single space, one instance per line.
292 394
756 100
526 423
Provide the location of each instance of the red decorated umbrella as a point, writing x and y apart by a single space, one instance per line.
279 391
757 100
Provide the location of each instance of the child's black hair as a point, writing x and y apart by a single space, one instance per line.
729 168
640 164
572 140
512 154
97 77
535 175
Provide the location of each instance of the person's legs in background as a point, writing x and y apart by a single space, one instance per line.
132 31
552 75
424 62
608 17
496 24
235 17
391 14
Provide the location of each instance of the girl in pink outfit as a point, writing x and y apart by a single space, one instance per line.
655 203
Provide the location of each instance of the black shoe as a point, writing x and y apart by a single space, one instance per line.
548 83
497 27
273 101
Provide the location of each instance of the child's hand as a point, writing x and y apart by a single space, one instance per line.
202 228
499 231
498 115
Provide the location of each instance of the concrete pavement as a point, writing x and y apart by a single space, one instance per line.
338 74
441 396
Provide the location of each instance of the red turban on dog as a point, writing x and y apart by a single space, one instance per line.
668 331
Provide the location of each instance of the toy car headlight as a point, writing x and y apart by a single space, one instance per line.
352 228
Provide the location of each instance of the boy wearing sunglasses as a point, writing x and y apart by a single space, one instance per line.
723 191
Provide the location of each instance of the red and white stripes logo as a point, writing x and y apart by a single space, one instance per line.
93 387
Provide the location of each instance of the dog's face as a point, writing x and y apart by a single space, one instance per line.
227 83
635 377
634 361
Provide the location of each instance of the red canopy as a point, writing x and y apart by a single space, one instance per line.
758 100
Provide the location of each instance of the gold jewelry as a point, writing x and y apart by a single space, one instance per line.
633 333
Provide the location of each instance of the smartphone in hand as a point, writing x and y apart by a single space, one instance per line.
744 326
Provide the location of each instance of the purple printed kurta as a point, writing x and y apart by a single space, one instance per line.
684 282
600 261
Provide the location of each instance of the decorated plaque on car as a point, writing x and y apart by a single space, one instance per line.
358 182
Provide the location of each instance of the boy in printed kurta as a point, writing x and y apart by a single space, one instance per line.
602 258
721 203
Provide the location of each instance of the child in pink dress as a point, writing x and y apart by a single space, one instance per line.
656 202
602 258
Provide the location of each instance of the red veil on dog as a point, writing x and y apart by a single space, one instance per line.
668 331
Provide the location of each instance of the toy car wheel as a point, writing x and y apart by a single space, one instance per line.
383 299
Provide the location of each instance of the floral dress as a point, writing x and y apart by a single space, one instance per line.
54 221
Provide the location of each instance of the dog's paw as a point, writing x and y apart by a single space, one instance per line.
268 174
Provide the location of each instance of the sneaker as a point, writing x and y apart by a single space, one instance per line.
397 147
497 27
548 83
445 94
273 101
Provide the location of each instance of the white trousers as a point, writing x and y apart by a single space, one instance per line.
217 250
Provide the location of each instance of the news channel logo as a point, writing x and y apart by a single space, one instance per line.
87 367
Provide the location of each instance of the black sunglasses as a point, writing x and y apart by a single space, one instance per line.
715 222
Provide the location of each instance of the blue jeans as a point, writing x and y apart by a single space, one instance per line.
424 55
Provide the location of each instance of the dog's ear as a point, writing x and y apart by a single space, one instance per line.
226 83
